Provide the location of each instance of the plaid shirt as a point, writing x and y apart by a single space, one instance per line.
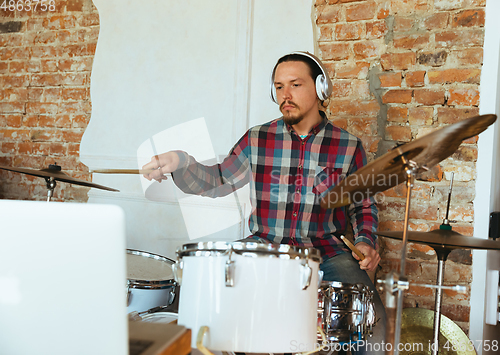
288 175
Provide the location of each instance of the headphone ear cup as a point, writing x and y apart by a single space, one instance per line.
273 93
321 87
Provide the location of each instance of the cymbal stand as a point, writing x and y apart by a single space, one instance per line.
51 185
399 282
442 255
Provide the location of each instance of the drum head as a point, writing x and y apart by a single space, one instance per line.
160 317
145 267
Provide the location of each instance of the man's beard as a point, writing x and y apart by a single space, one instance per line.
288 117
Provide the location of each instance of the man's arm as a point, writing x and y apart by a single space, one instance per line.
195 178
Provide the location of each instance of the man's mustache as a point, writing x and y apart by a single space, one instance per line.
287 103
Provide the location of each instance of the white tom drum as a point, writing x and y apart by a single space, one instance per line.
259 298
150 281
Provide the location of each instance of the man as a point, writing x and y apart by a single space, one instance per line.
291 163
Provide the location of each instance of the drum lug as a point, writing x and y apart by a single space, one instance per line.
177 269
306 275
229 273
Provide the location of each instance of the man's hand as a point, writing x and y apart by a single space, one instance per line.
371 257
162 164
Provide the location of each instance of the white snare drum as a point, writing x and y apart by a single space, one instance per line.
346 312
150 281
259 298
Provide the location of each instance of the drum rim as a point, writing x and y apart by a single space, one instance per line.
250 247
150 284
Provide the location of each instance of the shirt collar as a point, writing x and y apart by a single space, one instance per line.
315 130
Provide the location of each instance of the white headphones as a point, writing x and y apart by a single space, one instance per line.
324 85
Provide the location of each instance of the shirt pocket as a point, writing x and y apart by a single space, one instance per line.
327 175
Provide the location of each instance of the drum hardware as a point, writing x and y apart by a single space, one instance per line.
53 174
403 163
122 171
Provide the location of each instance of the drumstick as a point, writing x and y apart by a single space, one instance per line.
123 171
352 247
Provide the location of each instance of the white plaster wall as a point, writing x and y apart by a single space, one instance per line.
182 74
487 185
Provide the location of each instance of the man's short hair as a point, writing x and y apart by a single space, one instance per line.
314 69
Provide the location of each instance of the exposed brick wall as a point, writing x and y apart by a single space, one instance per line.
45 63
401 69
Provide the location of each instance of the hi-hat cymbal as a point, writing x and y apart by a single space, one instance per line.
55 173
446 239
389 170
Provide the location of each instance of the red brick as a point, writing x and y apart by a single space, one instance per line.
362 11
75 107
370 144
78 50
341 88
40 107
326 33
17 67
421 116
397 96
72 136
415 79
15 134
366 49
465 153
361 127
409 6
398 61
45 51
334 51
411 41
398 133
75 5
449 115
75 64
75 94
8 147
74 150
397 114
88 20
14 95
46 37
376 29
463 97
435 21
327 14
466 56
12 107
350 70
429 97
59 22
30 121
14 53
12 121
403 24
351 108
390 80
349 31
459 38
468 18
13 81
470 76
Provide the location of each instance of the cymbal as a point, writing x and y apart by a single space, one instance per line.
446 239
417 330
55 173
389 170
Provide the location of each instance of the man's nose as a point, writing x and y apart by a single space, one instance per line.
286 92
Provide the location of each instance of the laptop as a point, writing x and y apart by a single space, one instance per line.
62 284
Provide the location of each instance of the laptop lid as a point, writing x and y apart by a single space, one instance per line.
62 278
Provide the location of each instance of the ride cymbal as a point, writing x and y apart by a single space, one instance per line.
389 170
446 239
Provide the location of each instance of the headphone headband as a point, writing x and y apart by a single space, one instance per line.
323 83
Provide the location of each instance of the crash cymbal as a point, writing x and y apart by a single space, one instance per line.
389 170
417 333
446 239
54 172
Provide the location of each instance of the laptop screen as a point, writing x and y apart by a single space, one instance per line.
62 278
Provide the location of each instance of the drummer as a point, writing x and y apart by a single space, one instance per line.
291 163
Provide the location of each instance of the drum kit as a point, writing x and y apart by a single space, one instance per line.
251 296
